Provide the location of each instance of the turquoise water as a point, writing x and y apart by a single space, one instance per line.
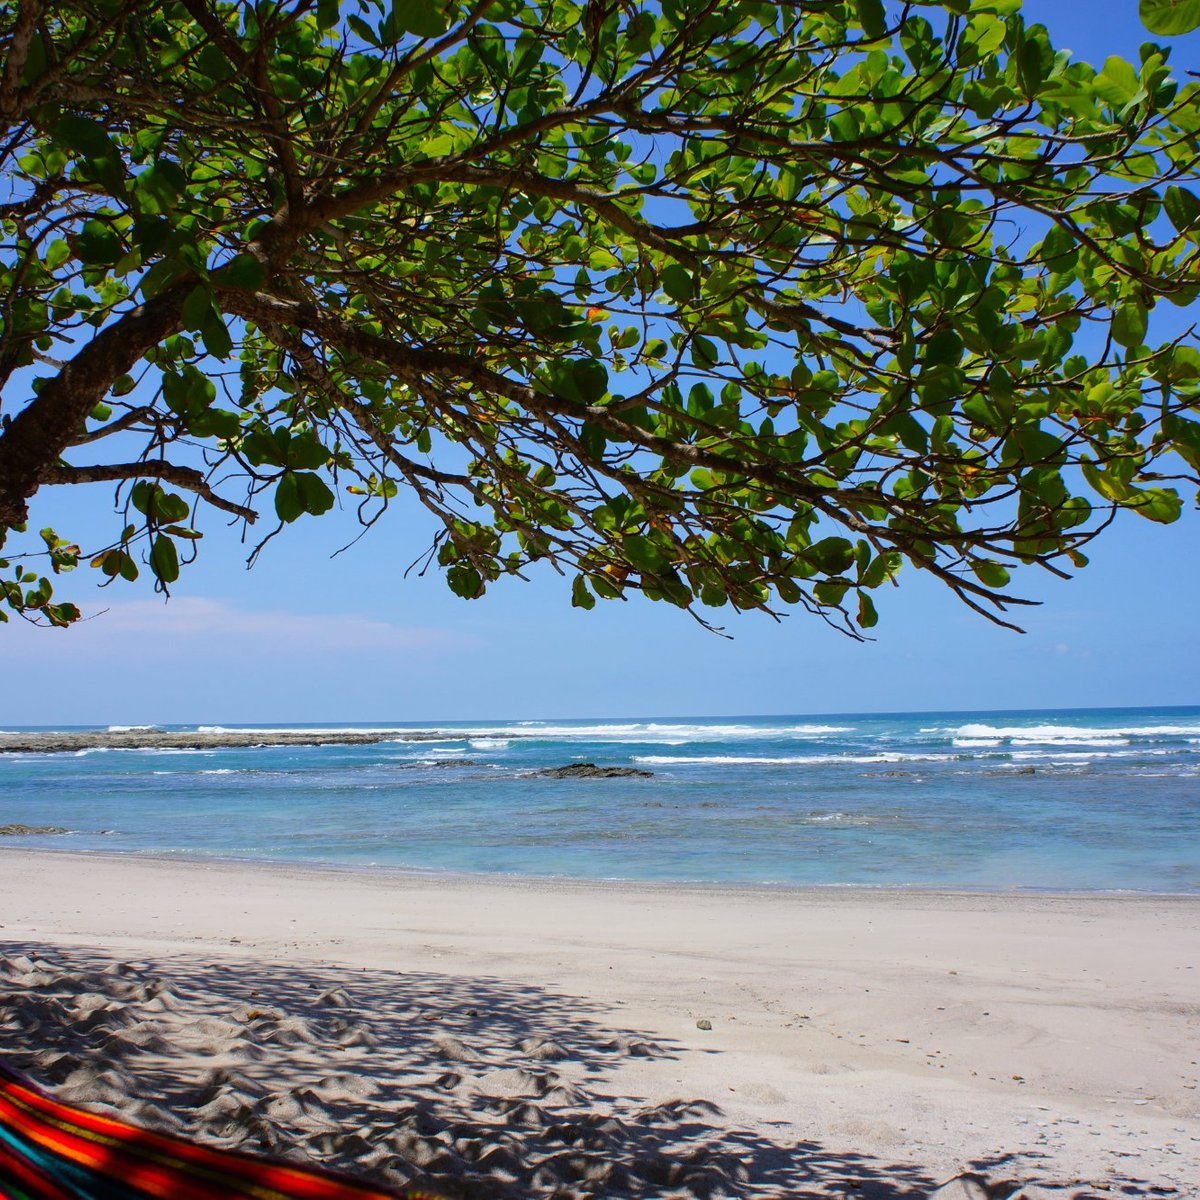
1083 799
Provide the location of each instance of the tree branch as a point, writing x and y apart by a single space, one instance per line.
36 437
29 12
187 478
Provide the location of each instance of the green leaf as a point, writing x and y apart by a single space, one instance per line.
642 553
57 253
85 136
829 592
89 139
868 618
1170 18
314 493
160 277
1117 83
216 422
304 449
164 560
97 245
169 507
216 335
945 347
465 581
1157 504
872 18
704 352
590 378
990 574
289 504
1129 324
580 596
141 495
197 308
677 282
244 271
424 18
1182 207
833 555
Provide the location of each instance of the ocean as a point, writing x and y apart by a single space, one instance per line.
1087 800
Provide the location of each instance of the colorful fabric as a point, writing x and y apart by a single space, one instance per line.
54 1151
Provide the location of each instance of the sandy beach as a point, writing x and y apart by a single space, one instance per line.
511 1037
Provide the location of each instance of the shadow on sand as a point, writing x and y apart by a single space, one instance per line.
478 1087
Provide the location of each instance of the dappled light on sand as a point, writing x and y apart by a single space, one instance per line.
478 1087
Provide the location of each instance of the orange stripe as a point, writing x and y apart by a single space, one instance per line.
281 1181
118 1158
42 1186
78 1131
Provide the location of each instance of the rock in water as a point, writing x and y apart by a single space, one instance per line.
590 771
30 830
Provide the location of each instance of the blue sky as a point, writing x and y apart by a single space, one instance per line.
304 637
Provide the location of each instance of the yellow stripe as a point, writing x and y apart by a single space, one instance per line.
208 1175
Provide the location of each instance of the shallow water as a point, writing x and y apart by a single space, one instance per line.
1080 799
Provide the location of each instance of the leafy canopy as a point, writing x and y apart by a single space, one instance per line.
723 301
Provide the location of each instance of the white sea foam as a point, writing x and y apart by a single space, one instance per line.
490 743
129 728
1072 735
671 733
667 733
167 750
800 760
1082 755
1104 743
271 729
156 751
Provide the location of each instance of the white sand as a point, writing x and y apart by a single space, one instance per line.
544 1034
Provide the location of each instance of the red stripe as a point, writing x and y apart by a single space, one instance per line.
116 1156
291 1181
184 1159
116 1161
39 1184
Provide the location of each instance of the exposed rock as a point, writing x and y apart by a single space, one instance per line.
223 739
704 1023
590 771
30 830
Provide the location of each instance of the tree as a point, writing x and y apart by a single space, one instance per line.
722 301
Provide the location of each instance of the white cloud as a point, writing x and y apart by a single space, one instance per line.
189 623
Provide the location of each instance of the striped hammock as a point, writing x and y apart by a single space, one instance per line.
53 1151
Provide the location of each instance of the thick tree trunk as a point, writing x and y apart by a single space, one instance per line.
36 437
